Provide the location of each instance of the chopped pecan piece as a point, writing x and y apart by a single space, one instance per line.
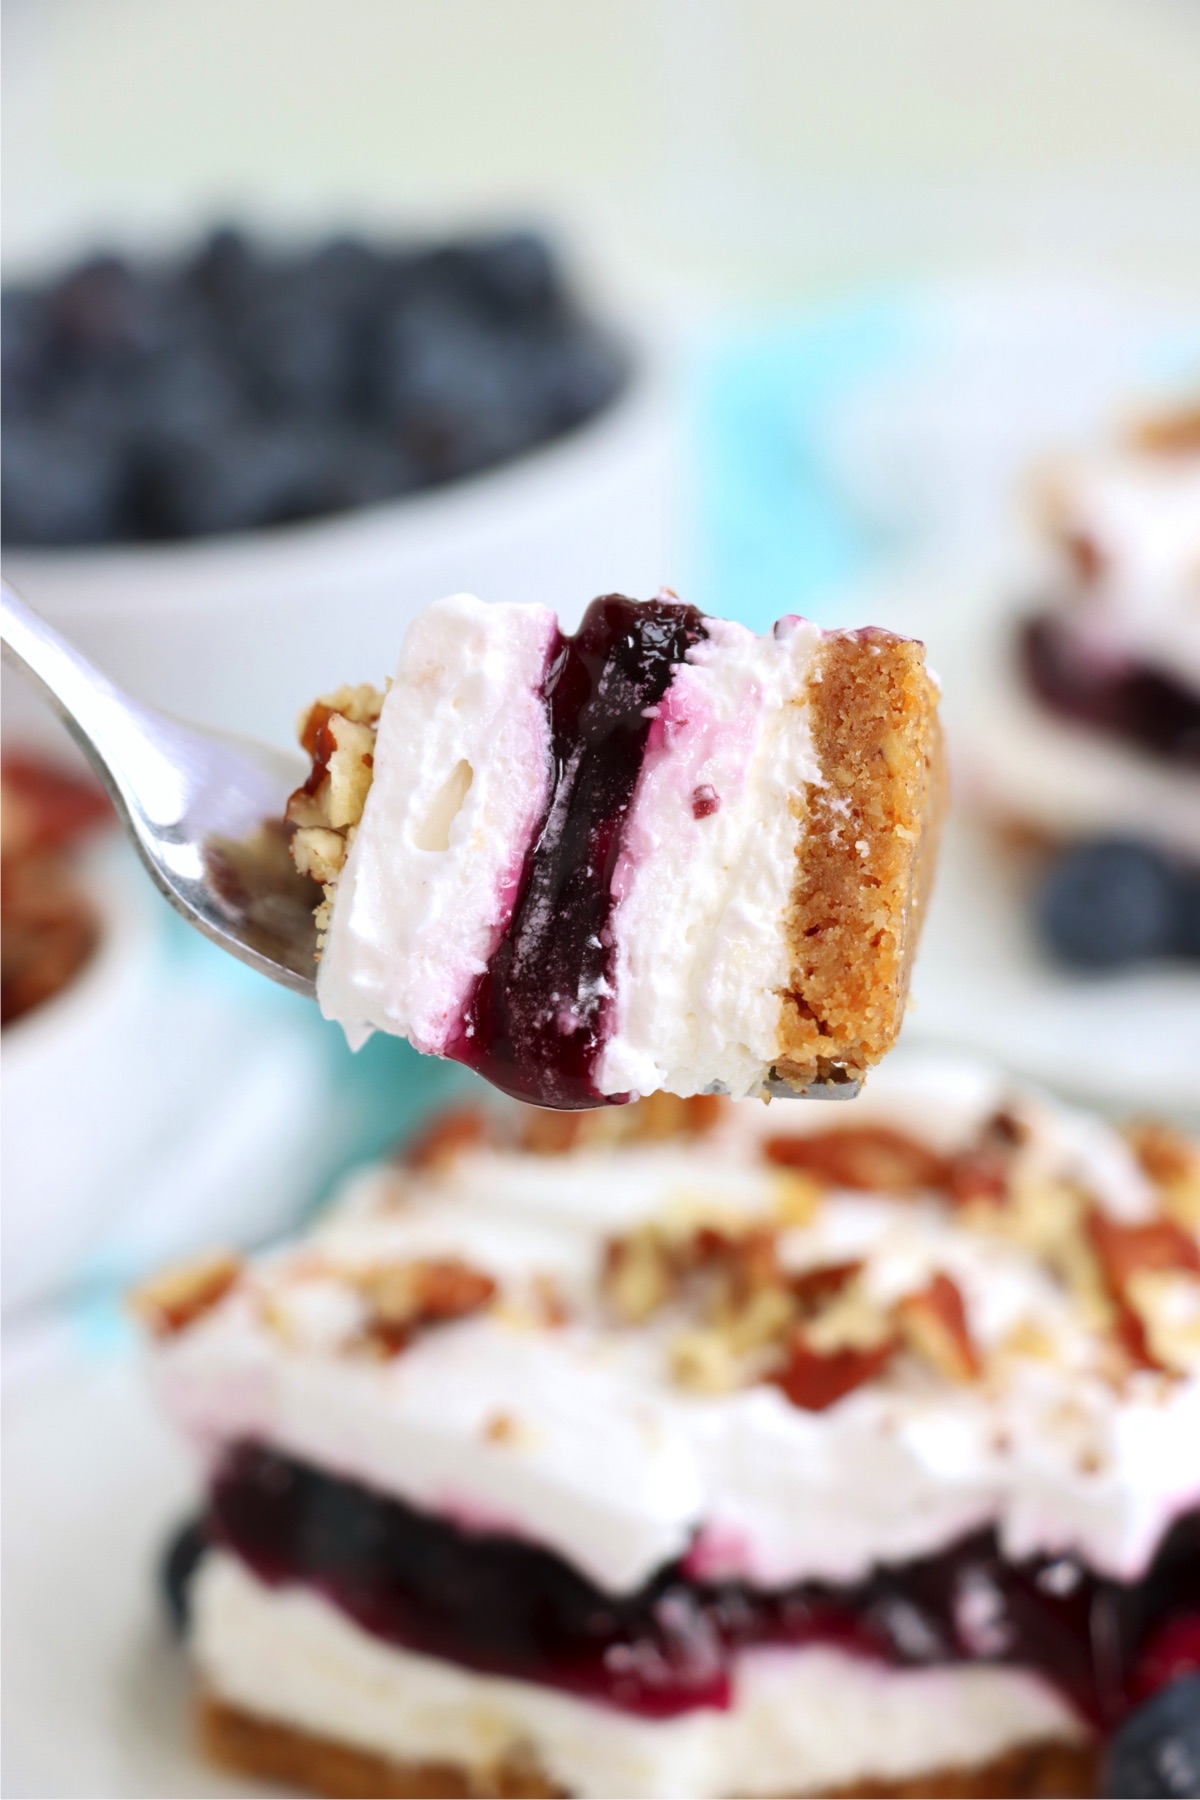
873 1158
983 1170
815 1382
813 1287
1125 1250
661 1116
172 1301
934 1324
405 1298
1172 1162
704 1362
1130 1333
638 1277
546 1133
446 1137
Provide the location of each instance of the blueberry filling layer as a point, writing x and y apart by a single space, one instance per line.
504 1607
1140 705
535 1022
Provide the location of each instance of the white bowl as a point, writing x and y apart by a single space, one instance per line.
242 632
146 1113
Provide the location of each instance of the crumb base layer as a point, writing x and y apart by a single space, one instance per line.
865 862
249 1745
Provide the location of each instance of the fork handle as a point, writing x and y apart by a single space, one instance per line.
110 729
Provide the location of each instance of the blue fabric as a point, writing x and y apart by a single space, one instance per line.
769 532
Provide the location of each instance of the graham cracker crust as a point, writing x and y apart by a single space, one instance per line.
270 1752
865 862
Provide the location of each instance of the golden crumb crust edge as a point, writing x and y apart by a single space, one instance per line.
865 861
249 1745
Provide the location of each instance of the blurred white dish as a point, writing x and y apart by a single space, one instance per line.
95 1699
241 632
1128 1042
145 1113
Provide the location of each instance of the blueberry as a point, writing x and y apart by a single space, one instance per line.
23 345
581 371
453 389
1187 913
105 311
515 273
1107 904
296 352
225 270
177 1567
59 486
236 480
1157 1750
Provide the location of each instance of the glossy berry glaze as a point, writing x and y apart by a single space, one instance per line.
535 1023
1138 704
505 1607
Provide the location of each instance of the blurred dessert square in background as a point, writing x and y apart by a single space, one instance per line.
1086 742
700 1447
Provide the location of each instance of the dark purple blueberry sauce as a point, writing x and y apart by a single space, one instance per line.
1140 705
505 1607
534 1025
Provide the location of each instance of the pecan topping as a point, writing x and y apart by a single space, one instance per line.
405 1298
815 1382
934 1324
446 1137
170 1302
813 1287
1128 1253
870 1157
1172 1163
1125 1250
656 1119
983 1171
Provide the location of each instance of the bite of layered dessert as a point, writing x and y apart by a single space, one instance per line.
694 1449
658 854
1089 732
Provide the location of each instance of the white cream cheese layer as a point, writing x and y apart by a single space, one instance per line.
1140 517
461 776
802 1721
707 868
605 1461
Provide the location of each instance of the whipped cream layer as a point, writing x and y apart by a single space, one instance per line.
461 774
802 1721
605 1460
707 866
1132 524
473 787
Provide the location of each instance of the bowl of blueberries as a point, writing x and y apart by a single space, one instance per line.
211 462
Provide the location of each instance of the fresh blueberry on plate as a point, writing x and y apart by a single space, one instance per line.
1157 1750
1108 904
177 1567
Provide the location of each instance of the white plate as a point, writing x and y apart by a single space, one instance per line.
95 1690
1128 1042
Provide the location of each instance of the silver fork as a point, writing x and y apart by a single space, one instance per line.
205 813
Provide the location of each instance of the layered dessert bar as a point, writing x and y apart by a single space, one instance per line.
1088 728
702 1448
659 854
